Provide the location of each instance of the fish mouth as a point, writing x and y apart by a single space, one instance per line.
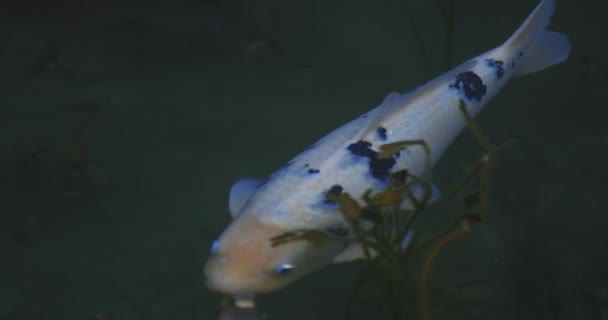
215 279
219 278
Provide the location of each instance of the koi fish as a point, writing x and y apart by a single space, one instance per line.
242 260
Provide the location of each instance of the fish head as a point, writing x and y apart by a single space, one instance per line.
244 261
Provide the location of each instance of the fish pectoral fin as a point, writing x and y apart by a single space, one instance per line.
352 252
240 193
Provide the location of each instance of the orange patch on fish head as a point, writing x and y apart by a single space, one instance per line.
246 262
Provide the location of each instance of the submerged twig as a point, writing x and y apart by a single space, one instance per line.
422 287
420 44
448 17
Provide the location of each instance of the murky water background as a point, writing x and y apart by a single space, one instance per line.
123 126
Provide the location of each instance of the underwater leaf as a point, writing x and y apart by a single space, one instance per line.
315 237
349 208
389 149
386 198
372 214
398 178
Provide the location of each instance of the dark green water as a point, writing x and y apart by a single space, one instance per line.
121 137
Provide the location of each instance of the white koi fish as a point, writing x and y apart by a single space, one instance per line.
243 261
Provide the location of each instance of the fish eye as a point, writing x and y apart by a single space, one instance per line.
284 268
215 246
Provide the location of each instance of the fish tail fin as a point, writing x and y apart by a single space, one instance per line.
539 47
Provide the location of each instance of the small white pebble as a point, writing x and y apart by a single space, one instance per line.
245 302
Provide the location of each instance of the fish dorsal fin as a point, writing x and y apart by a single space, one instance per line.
240 193
395 101
392 102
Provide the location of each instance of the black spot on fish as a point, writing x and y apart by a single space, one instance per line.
379 168
521 53
313 171
364 116
498 66
362 149
381 131
472 85
338 231
335 190
513 64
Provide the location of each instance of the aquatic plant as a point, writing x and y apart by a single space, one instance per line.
447 14
476 208
384 226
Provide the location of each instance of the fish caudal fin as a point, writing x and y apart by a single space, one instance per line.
547 49
539 48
